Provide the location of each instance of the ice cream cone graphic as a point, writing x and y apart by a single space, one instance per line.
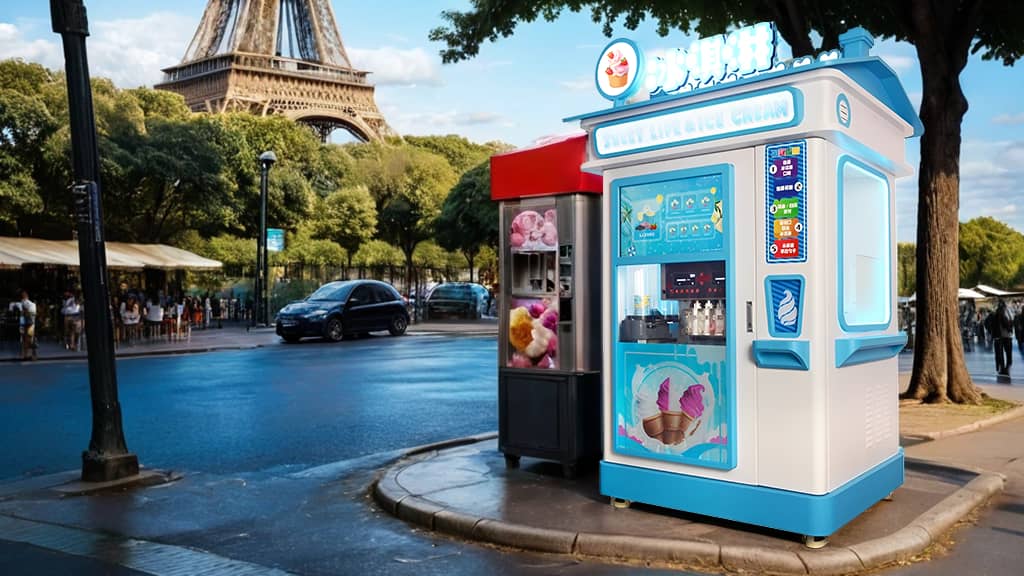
617 70
676 424
654 426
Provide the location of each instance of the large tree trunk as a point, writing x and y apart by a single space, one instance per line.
942 42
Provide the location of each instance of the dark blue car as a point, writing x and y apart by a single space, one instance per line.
343 308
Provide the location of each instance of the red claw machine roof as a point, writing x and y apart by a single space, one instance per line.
551 167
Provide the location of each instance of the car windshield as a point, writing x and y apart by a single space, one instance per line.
451 292
335 291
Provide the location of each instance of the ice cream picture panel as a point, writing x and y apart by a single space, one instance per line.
534 231
674 407
533 333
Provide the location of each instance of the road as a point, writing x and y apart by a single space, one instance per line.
244 427
291 406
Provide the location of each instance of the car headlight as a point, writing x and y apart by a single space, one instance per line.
315 314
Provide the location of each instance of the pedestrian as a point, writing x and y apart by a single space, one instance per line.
1002 337
72 312
1018 328
216 310
207 311
27 327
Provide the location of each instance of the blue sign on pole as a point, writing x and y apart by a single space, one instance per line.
275 240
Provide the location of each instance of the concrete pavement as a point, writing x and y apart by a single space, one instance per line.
466 491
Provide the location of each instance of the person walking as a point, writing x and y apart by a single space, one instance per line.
27 327
72 312
1002 337
216 309
1018 328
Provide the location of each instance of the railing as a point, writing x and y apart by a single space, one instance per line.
262 62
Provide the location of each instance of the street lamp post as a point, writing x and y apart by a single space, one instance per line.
107 457
267 160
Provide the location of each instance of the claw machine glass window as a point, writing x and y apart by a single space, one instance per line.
865 294
673 396
533 297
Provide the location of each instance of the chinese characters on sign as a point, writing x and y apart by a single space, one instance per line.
786 202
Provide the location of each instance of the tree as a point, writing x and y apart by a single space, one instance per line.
469 218
990 253
906 261
409 186
460 153
348 217
943 33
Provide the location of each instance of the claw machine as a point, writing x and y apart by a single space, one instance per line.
749 253
549 386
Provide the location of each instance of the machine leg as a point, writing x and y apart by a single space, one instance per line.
620 503
569 471
511 461
889 497
815 542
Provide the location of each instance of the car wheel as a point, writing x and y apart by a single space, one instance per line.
290 339
333 330
398 325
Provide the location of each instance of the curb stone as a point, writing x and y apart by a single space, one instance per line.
899 546
975 426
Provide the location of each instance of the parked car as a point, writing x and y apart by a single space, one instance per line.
343 308
457 299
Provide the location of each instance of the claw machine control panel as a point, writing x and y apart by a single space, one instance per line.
750 367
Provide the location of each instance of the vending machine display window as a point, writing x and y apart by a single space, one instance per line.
674 400
865 298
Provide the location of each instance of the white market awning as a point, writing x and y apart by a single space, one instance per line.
15 252
990 291
962 294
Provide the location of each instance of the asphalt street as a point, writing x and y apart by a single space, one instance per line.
291 406
267 427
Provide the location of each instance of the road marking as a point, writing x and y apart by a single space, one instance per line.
141 555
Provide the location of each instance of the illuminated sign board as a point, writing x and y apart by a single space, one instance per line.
623 69
722 118
275 240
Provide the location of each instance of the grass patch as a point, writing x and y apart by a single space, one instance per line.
917 419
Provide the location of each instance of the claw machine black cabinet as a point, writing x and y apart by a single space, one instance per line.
549 351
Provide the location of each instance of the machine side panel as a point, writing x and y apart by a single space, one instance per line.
863 412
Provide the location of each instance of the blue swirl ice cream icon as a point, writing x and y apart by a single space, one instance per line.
786 313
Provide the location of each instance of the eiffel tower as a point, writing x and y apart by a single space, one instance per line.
276 57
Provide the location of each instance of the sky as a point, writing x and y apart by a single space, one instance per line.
519 89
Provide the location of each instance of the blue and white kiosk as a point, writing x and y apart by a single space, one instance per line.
750 322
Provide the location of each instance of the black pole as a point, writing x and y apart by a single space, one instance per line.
256 304
264 271
107 457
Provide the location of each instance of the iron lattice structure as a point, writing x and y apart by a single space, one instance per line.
276 57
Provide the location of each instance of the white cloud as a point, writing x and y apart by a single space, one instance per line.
584 84
395 66
130 52
13 44
431 122
1009 119
899 63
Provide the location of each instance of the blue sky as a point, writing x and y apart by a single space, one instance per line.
518 89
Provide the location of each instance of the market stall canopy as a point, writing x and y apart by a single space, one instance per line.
15 252
962 294
990 291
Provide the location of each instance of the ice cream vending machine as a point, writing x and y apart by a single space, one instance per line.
750 329
549 386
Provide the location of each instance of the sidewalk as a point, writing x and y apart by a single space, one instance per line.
468 492
233 336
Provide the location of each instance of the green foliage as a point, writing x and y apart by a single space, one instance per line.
469 218
234 252
906 262
990 253
378 254
348 217
460 153
302 248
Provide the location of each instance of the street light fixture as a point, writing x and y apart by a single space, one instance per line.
267 160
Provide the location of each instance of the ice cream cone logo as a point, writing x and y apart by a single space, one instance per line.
618 69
